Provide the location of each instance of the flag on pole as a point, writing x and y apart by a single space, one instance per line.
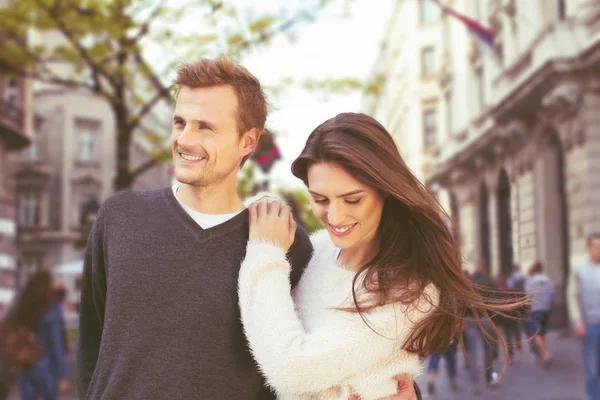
483 34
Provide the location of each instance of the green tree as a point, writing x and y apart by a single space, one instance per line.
246 183
298 199
101 49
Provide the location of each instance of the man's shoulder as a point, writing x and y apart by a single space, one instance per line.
126 199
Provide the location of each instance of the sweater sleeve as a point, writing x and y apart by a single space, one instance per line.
292 360
91 319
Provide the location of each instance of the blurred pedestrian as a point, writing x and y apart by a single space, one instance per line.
61 295
481 339
510 322
516 283
584 307
37 316
542 293
433 367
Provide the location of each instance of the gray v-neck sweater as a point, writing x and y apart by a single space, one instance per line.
159 307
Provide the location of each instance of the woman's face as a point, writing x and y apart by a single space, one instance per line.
349 209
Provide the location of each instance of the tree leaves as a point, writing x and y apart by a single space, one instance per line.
100 47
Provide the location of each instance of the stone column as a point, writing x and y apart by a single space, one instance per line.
466 198
494 227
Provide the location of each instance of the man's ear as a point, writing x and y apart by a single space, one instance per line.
249 141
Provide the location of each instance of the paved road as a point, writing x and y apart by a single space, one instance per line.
523 380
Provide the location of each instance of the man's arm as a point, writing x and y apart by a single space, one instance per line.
91 318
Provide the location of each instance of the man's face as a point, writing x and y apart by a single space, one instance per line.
594 250
207 147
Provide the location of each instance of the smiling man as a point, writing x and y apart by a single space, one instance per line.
159 308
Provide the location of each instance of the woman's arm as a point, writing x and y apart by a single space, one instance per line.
291 359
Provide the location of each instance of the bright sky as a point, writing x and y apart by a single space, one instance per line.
343 41
329 47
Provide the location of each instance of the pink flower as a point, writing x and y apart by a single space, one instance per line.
275 152
262 160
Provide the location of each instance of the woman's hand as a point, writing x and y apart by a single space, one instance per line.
271 221
406 389
64 386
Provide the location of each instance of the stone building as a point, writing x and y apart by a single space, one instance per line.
516 157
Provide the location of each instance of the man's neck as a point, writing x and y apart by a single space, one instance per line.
210 199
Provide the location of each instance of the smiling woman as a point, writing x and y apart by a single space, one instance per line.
384 285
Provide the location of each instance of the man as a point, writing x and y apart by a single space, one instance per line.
542 293
583 297
159 307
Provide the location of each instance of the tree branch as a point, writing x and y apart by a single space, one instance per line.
283 27
147 107
161 157
152 77
96 69
146 25
50 78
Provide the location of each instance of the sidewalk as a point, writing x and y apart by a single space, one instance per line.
524 379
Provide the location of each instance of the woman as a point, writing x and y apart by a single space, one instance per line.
384 285
37 311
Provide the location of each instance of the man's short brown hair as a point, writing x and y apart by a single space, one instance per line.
252 104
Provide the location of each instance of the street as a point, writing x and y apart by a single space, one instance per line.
523 380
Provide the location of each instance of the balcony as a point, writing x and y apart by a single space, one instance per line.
12 127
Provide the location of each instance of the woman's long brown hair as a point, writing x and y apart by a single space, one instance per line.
416 245
34 302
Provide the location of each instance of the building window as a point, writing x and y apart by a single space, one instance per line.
29 209
87 133
31 152
428 12
12 93
30 264
427 62
429 128
11 101
87 212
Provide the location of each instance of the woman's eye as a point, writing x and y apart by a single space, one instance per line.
353 202
320 201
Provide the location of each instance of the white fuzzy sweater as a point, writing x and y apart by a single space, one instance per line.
305 347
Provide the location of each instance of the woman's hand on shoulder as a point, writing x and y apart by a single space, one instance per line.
272 222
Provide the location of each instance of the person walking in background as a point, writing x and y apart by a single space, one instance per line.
510 323
61 295
516 283
433 367
542 292
481 341
583 297
37 312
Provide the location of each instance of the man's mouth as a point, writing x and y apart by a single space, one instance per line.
190 157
